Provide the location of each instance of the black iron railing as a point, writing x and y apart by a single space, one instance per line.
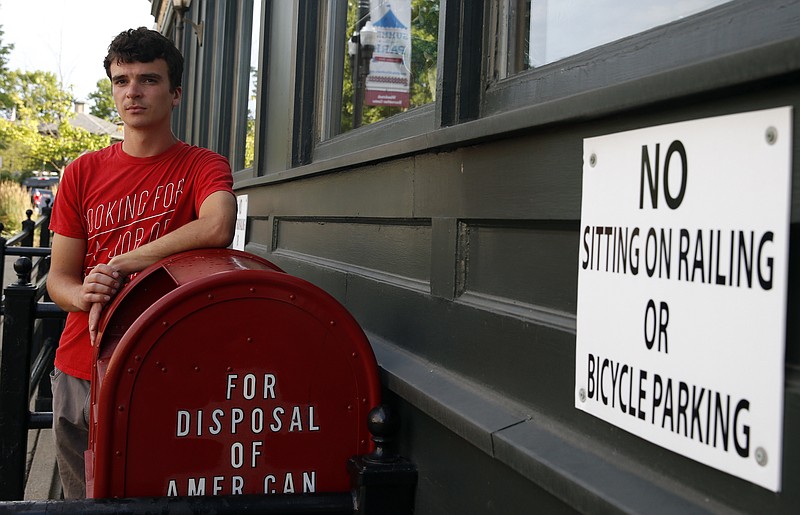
22 243
31 327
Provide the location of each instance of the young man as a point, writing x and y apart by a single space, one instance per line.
121 209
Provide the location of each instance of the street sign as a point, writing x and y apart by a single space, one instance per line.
682 283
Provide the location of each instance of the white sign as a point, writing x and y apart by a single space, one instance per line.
682 281
241 223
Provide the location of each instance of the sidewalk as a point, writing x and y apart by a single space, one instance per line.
42 473
40 467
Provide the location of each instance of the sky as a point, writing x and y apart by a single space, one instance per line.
68 37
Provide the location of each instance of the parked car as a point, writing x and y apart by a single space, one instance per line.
41 190
41 197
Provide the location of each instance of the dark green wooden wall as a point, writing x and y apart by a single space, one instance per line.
456 249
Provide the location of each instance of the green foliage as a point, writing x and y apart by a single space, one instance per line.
15 137
250 136
62 146
249 143
14 201
425 49
5 50
103 102
37 95
40 135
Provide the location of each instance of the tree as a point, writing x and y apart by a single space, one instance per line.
59 148
425 43
41 133
103 102
250 135
5 50
37 95
15 148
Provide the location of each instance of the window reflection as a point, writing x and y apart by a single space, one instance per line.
540 32
390 65
249 151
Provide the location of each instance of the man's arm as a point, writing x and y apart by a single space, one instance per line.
70 290
65 282
214 227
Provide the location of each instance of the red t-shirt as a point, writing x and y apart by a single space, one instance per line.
116 203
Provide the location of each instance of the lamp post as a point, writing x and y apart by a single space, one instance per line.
360 48
181 7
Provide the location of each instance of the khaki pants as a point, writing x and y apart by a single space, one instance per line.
71 430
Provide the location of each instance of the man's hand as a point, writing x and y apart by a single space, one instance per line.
99 286
66 284
94 320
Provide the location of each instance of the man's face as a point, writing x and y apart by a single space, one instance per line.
142 93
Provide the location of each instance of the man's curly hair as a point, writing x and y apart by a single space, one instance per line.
143 45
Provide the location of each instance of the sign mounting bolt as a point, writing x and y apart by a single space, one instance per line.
761 456
582 395
772 135
592 160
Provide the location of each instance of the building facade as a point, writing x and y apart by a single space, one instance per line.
454 227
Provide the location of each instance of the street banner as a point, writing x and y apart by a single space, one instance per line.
390 68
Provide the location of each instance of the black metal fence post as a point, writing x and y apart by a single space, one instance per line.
28 226
2 256
51 329
44 228
20 306
382 483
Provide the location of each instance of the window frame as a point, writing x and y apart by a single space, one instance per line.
651 56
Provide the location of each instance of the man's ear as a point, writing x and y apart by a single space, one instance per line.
176 97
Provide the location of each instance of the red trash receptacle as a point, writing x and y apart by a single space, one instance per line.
217 373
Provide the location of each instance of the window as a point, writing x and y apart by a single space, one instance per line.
250 136
534 33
